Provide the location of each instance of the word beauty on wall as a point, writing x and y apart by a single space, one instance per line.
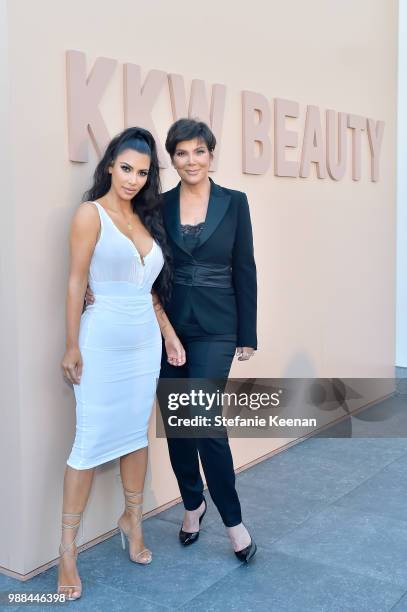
323 142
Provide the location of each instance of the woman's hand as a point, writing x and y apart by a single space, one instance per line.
89 297
243 353
72 365
175 350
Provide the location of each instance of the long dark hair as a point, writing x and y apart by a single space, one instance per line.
147 203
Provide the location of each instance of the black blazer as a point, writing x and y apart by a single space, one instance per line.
226 240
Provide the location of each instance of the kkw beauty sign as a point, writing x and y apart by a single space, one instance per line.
323 141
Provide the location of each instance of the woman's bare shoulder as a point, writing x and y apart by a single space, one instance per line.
86 216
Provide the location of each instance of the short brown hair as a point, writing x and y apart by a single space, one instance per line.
188 129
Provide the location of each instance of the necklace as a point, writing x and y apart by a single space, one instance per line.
129 225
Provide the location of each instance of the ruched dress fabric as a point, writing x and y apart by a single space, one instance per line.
120 343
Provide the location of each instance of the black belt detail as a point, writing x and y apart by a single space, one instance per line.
203 275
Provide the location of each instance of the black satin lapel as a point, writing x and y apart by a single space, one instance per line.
217 206
172 219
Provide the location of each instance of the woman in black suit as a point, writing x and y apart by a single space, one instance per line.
213 312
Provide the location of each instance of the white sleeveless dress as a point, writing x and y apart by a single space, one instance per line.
120 343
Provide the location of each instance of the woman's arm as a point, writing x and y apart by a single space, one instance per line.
244 280
83 236
163 321
175 350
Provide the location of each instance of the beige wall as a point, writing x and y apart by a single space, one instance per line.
11 552
325 250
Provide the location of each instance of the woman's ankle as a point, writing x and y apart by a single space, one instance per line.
198 509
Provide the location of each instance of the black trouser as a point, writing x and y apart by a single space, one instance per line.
207 357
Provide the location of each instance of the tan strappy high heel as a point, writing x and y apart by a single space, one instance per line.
145 556
67 549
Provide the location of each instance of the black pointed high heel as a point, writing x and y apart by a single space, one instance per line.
187 537
247 553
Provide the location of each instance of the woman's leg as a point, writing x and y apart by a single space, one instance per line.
212 359
133 467
184 454
77 484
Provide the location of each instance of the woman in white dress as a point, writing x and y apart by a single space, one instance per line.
113 349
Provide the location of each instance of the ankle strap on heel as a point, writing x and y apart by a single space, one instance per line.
128 501
71 515
64 548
